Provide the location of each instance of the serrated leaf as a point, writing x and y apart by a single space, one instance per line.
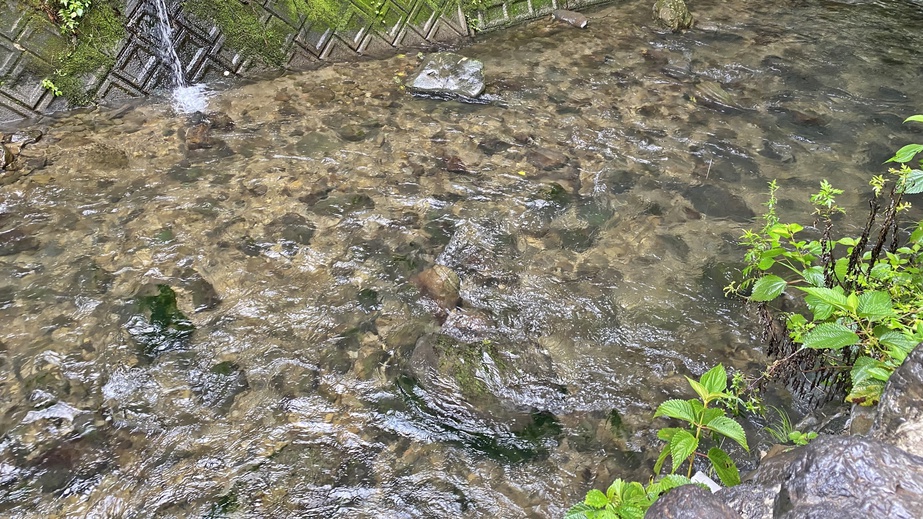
666 434
682 446
596 498
899 345
724 467
914 182
715 380
814 275
615 490
711 413
727 427
875 305
866 394
768 288
699 389
917 118
675 408
668 482
906 153
579 511
830 336
819 309
867 369
827 295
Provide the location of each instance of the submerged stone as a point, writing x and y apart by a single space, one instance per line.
441 284
673 14
570 17
161 326
449 74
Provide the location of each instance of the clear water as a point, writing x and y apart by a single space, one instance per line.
591 214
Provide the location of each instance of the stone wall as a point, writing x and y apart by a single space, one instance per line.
29 44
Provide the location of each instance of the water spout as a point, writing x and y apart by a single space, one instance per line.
186 98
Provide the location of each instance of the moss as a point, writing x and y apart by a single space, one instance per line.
243 29
92 50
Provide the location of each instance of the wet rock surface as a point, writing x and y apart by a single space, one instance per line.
690 502
449 74
899 419
673 14
314 383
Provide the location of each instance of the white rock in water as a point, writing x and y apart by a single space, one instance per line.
446 73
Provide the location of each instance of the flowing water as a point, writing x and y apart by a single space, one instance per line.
591 212
186 98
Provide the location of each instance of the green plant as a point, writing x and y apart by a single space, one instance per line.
702 420
864 295
47 84
70 13
784 432
623 500
630 500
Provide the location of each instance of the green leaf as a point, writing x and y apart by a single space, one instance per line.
579 511
730 428
866 394
668 482
899 344
724 467
852 302
832 336
827 295
596 498
867 369
821 310
875 305
715 380
682 446
906 154
662 458
679 409
841 267
699 389
768 288
914 182
917 118
814 275
615 490
711 413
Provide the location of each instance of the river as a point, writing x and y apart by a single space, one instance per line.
591 212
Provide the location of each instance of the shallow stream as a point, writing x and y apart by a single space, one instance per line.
591 213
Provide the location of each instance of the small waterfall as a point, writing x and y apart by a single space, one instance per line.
186 98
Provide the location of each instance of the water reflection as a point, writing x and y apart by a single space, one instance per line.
292 366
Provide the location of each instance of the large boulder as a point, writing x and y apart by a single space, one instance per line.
839 477
450 75
673 14
900 411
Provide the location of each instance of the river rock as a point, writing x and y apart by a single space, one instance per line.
492 395
546 159
449 74
690 502
15 241
570 17
673 14
900 411
718 202
441 284
197 137
6 156
843 477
